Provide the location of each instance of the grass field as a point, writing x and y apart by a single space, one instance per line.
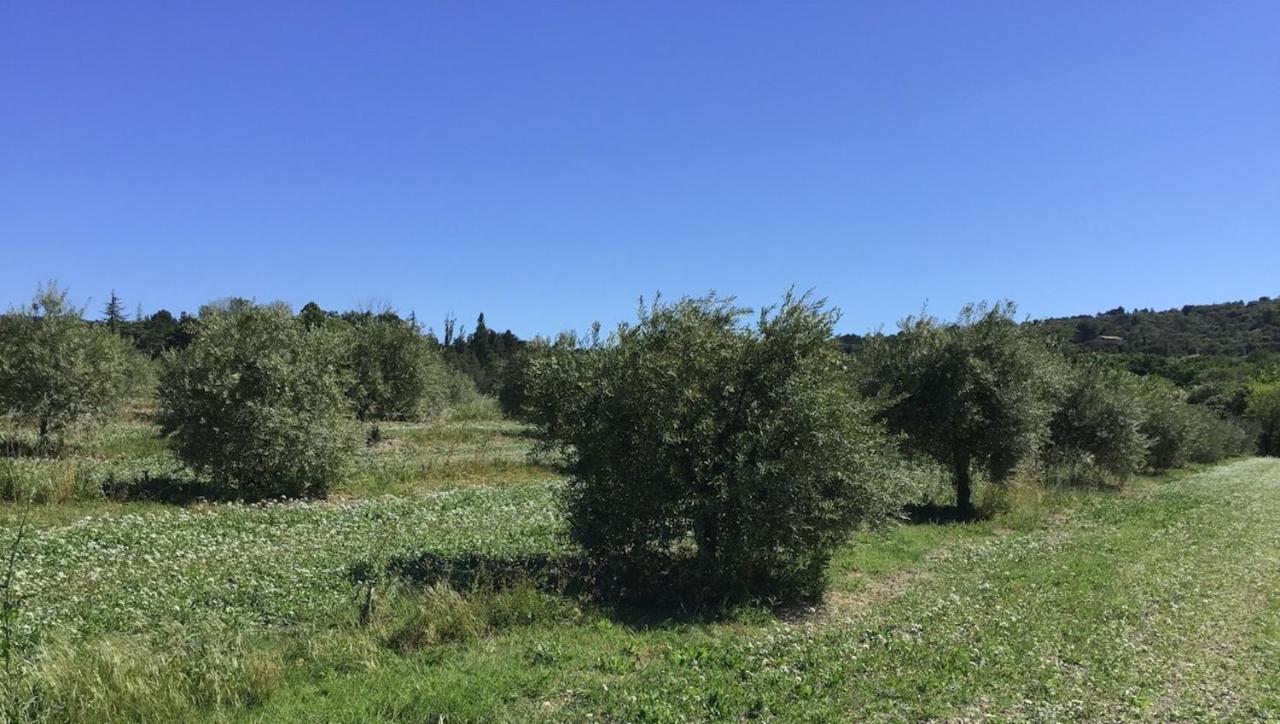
1161 601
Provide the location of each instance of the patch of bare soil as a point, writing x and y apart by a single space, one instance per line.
846 605
390 444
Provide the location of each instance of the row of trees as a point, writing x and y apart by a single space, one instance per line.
744 452
262 401
481 354
748 452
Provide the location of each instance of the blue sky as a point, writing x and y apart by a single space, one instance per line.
548 162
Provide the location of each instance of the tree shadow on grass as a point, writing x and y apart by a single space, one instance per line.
669 594
174 487
932 513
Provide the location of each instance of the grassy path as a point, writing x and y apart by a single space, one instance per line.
1159 604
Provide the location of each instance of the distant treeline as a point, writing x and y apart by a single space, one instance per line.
1212 350
480 353
1231 329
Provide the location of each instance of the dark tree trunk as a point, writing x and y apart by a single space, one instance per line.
964 488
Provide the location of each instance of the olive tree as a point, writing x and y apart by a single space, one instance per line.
740 451
973 394
1096 426
1166 423
56 368
394 374
256 403
516 395
1213 437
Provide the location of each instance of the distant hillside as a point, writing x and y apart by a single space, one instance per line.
1229 328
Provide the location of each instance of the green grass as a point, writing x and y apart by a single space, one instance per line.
1156 602
126 459
265 566
413 458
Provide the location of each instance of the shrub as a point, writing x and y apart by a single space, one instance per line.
1181 432
543 395
740 455
1211 438
1263 407
971 394
458 390
55 368
393 372
1095 429
513 380
256 403
1165 423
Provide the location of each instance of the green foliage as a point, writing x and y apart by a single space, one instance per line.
1213 438
513 382
161 332
538 395
458 390
1165 423
744 454
394 373
1217 382
1231 328
1181 432
56 369
1095 429
1263 407
482 356
974 393
256 403
113 314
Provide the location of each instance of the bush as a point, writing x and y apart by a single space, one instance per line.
256 403
537 394
1211 438
1165 423
393 372
458 390
55 368
513 380
742 456
1263 407
971 394
1181 432
1095 430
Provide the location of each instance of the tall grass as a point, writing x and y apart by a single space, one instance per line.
8 618
166 677
180 672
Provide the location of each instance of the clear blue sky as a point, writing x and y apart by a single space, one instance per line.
549 162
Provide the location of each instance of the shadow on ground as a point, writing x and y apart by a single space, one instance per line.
670 593
931 513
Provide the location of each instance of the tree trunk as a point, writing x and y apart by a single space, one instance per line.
964 488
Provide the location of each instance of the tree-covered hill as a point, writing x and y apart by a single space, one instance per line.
1229 328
